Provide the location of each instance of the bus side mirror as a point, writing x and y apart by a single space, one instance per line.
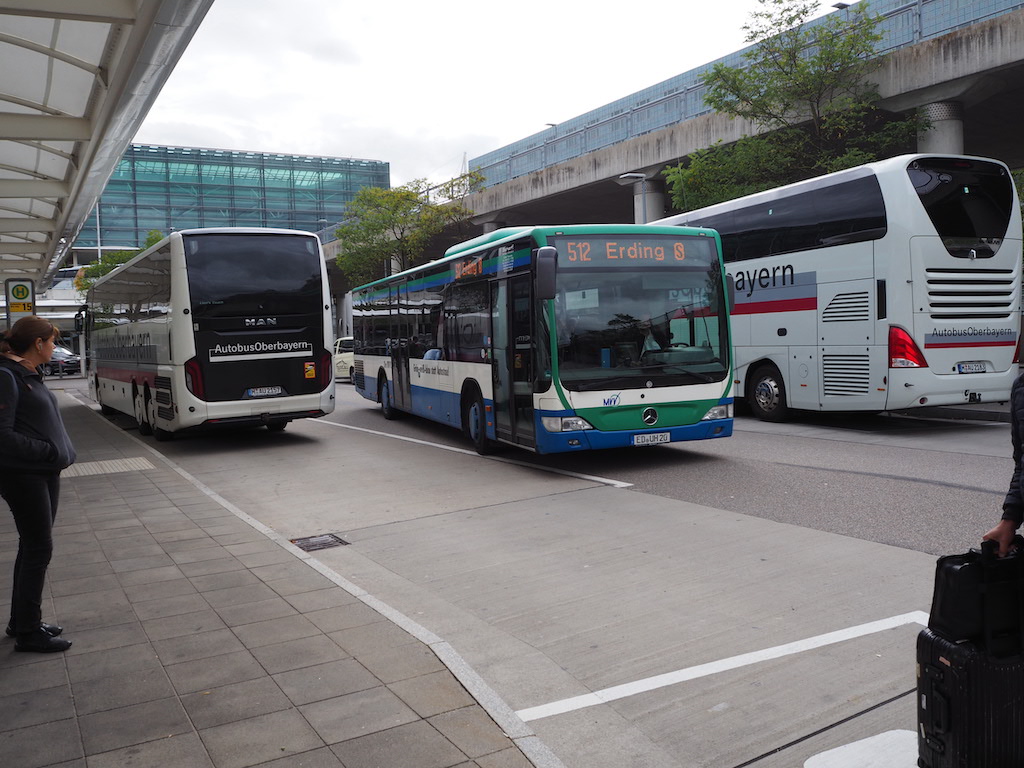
546 267
730 292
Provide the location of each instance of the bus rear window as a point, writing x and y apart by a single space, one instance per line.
231 275
968 201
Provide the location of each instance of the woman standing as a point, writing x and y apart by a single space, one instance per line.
34 448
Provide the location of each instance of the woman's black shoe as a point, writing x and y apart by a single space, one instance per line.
40 642
51 629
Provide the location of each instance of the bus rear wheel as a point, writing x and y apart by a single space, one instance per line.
140 407
476 426
766 394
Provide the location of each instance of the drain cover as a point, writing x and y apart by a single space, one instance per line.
323 541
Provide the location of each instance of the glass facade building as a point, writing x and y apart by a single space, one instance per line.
174 188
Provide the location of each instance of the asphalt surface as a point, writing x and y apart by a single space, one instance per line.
204 637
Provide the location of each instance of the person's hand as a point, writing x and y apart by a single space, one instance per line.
1003 535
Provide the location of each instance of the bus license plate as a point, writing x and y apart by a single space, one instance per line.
263 391
652 439
970 367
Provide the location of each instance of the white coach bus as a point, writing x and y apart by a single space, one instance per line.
211 327
889 286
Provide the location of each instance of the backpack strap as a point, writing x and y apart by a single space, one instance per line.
10 373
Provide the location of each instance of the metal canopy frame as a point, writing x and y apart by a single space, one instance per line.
77 78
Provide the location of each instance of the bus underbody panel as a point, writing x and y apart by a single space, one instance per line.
917 387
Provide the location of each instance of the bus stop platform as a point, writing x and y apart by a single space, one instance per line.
201 638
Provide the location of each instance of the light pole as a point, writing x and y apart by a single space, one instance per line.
642 178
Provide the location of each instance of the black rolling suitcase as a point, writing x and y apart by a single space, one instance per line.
970 665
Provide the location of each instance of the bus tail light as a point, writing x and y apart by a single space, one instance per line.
903 352
1016 350
326 369
194 378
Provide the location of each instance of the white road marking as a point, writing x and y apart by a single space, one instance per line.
892 749
703 670
453 449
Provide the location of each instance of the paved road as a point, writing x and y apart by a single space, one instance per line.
697 636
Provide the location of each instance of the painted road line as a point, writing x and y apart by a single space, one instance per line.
712 668
892 749
467 452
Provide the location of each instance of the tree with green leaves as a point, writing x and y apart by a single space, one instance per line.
109 260
388 230
807 87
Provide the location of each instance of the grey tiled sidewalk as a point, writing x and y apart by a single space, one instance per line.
200 641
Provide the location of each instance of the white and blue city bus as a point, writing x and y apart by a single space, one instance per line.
555 339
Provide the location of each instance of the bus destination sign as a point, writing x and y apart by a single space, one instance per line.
630 251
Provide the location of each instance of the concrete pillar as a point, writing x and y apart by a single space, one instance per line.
648 200
490 226
947 132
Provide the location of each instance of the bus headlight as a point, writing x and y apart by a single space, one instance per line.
719 412
564 423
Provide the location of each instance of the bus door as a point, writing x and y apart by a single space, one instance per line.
512 358
400 340
853 362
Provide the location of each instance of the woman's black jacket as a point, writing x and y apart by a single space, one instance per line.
32 434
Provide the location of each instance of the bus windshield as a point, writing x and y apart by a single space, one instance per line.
648 321
232 275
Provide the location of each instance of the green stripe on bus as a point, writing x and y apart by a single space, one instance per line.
624 417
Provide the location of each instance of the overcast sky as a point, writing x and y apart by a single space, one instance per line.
423 85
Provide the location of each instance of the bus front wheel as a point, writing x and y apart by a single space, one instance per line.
767 395
384 395
105 409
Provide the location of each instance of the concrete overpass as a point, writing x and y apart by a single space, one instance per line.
77 78
971 81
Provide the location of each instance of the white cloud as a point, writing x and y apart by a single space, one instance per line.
421 85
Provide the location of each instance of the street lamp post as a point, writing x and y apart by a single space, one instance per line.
642 178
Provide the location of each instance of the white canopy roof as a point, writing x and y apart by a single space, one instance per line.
77 78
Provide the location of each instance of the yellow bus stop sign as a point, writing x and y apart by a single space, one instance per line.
21 299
